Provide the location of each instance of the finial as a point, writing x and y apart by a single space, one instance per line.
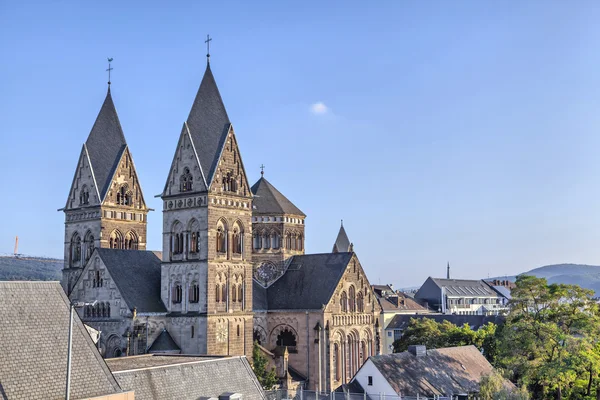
262 170
109 69
207 41
342 222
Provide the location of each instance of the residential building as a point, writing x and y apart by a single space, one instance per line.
394 303
461 296
451 372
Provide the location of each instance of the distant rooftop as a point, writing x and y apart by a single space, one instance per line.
464 287
152 360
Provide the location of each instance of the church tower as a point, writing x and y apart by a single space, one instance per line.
278 231
206 279
105 207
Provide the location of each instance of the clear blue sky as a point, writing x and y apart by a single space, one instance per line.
461 131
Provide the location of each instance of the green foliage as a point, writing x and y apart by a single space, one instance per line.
267 378
550 339
491 387
434 335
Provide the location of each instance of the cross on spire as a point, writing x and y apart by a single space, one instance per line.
109 69
207 41
262 170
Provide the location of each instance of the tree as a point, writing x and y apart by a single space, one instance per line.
492 387
267 378
550 339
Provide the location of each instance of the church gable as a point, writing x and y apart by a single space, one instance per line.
125 189
230 175
185 174
83 191
353 292
96 284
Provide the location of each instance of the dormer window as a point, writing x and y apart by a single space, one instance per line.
186 180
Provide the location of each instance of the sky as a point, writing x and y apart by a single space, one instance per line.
462 132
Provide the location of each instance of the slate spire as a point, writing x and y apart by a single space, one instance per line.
208 124
269 200
105 144
342 243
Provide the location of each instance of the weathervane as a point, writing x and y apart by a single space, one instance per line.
109 69
262 169
207 41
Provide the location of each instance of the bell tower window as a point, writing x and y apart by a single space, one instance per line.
221 238
84 196
186 180
124 196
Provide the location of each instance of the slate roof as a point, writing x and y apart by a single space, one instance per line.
33 344
164 343
268 200
342 243
399 302
105 145
445 371
152 360
401 321
208 123
191 380
137 276
259 297
464 287
309 282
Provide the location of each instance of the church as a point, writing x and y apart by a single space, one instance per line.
232 269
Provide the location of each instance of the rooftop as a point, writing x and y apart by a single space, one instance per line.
464 287
152 360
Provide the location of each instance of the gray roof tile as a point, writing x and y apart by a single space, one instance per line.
137 276
105 145
164 343
342 243
309 281
34 346
190 379
208 123
268 200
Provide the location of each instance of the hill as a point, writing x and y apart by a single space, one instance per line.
28 268
586 276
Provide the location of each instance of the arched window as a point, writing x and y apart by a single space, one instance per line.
116 240
84 195
275 240
266 240
238 330
286 338
229 183
344 302
88 242
131 241
217 293
107 309
97 311
124 196
288 241
186 180
75 248
221 238
224 293
93 311
360 302
241 292
336 360
234 293
194 292
176 238
194 237
300 243
176 293
256 241
238 235
352 299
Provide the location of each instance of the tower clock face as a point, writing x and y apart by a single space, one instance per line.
221 333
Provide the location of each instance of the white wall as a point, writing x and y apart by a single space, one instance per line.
380 384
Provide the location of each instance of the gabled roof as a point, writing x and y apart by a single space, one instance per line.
187 377
34 334
457 371
309 282
398 302
105 145
137 276
268 200
164 343
208 124
342 243
464 287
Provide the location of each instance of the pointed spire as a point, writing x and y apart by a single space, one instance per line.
342 243
105 144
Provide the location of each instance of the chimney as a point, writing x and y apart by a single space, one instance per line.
417 350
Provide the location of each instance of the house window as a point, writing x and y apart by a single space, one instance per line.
370 378
389 334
